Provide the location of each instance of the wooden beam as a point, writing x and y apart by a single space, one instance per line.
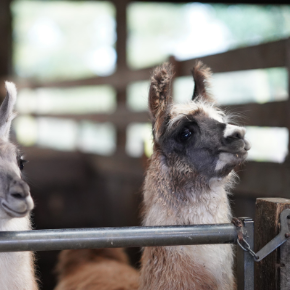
285 263
266 55
250 115
118 80
264 179
272 114
267 222
287 106
6 38
121 118
275 181
113 164
121 48
121 45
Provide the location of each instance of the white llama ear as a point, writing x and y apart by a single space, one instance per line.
160 97
6 111
201 75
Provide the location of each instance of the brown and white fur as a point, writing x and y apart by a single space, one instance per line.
17 268
187 182
96 269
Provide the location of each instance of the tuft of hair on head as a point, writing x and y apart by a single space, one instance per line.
201 75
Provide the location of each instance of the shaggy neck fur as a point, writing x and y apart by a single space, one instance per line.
175 195
17 268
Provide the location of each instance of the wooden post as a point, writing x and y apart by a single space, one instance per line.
121 48
6 44
285 264
273 272
6 38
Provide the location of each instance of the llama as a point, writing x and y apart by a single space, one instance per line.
195 150
96 269
17 268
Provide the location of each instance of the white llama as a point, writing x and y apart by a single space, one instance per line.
187 182
17 268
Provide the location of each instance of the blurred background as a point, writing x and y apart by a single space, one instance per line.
82 69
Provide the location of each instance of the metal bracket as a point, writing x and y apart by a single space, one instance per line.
280 239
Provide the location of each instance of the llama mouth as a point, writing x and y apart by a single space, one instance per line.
229 160
239 155
12 212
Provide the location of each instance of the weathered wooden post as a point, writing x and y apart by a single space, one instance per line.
273 272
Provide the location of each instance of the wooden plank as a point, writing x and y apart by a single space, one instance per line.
121 49
121 118
288 101
264 179
266 55
121 43
253 114
266 228
121 128
118 80
275 181
248 115
285 264
6 38
118 164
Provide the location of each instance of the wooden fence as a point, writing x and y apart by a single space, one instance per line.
263 56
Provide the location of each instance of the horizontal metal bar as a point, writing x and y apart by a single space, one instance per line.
60 239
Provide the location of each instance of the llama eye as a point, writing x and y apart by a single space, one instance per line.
21 162
185 135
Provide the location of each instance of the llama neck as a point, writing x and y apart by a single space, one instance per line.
172 197
17 268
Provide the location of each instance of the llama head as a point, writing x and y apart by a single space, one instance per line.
195 136
15 199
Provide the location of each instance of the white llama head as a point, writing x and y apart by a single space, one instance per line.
15 199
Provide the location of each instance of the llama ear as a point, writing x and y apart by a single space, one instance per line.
6 111
160 93
201 75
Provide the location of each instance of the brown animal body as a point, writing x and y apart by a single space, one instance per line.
104 269
187 183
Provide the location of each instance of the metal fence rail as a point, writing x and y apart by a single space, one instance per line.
60 239
92 238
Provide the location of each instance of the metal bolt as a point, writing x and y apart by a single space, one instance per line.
287 235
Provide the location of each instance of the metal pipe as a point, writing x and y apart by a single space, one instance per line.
60 239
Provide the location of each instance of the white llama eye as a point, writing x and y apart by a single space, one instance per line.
21 162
